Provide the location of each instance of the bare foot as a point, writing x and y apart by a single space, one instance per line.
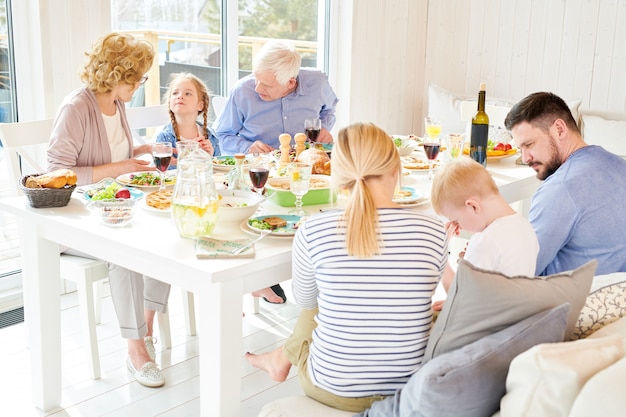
275 363
269 295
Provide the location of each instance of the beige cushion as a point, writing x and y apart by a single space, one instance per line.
483 302
603 395
617 327
610 134
300 406
603 306
546 379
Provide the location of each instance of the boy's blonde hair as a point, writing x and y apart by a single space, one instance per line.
115 59
203 95
362 151
458 180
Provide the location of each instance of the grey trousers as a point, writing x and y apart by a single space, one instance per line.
131 292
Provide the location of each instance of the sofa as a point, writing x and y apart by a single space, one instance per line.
563 354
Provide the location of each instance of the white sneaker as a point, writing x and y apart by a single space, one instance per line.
149 375
150 341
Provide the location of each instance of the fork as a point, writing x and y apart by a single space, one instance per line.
240 249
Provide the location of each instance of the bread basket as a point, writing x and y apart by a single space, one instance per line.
46 197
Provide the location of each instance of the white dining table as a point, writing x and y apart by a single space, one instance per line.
151 245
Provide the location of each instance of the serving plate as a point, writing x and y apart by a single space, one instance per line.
135 194
155 210
290 229
126 179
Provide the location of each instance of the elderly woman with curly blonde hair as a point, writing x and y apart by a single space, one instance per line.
91 136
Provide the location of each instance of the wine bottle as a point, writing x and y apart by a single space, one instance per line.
480 130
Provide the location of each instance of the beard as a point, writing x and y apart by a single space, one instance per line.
549 167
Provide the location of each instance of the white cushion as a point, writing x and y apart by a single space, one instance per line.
546 379
300 406
603 395
610 134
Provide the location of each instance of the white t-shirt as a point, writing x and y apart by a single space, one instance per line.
508 245
117 137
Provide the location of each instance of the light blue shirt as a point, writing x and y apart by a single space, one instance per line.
246 118
578 213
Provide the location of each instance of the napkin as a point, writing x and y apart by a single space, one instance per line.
211 248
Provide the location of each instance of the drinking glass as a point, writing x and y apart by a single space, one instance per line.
185 147
299 178
431 148
162 155
312 128
258 177
454 145
433 127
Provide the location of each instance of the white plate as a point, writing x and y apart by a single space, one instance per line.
412 198
289 230
125 179
421 202
134 193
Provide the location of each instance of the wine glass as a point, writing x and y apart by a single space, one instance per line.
433 127
299 177
431 148
162 155
258 177
312 128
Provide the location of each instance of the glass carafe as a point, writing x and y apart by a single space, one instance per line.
195 201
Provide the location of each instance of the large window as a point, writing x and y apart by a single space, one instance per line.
216 39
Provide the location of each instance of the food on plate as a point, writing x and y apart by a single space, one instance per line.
161 199
54 179
317 158
105 192
122 193
226 160
414 162
275 222
147 178
283 183
402 194
495 149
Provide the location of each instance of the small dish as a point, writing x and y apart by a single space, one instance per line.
289 229
117 212
90 192
408 195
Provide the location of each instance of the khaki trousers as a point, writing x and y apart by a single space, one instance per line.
296 348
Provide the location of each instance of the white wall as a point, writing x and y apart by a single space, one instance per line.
385 52
49 51
574 48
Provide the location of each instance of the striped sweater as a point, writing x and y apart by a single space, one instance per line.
374 314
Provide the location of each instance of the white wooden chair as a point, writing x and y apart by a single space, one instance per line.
145 118
218 103
149 117
24 145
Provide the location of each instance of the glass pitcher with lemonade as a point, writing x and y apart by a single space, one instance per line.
195 200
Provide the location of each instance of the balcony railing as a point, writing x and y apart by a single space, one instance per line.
153 87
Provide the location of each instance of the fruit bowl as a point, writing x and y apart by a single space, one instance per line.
115 212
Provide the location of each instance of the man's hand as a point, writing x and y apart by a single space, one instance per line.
324 136
260 147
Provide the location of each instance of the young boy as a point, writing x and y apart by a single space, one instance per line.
503 240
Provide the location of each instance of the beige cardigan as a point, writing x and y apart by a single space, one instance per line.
79 140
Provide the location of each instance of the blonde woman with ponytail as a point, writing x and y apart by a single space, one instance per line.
364 277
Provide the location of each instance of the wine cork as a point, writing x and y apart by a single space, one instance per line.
300 139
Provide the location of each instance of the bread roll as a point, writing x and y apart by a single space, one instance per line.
318 159
54 179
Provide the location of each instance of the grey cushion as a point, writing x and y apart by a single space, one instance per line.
482 302
470 381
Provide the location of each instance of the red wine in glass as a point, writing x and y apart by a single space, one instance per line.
312 134
431 150
162 162
258 177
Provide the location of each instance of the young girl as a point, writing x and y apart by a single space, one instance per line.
188 97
